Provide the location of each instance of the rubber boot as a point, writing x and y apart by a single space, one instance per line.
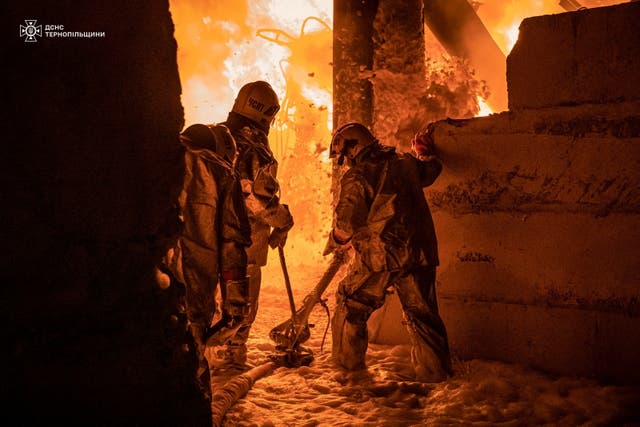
428 365
227 359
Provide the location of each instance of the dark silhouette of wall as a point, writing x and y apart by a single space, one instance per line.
92 164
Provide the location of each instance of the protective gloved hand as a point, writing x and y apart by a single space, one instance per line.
423 145
338 241
278 237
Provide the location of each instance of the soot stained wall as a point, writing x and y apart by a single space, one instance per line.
537 210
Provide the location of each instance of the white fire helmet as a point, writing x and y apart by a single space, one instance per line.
257 101
351 135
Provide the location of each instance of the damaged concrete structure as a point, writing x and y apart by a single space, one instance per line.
537 211
538 208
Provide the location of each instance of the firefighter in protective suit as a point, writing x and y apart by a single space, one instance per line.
211 249
383 214
249 121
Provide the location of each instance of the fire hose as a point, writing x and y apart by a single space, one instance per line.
235 389
288 336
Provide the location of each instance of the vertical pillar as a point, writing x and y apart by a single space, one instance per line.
352 58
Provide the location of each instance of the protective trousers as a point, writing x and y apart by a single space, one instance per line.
202 370
363 292
200 306
233 354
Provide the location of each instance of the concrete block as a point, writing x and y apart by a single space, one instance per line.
584 158
537 214
560 341
587 56
573 260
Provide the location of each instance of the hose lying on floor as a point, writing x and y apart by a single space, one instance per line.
235 389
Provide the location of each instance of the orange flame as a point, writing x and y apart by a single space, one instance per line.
224 44
227 43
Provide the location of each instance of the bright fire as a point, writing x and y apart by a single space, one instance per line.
226 43
484 109
502 19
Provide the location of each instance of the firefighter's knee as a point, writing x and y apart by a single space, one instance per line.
355 311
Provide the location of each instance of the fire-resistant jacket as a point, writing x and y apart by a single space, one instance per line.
258 170
382 208
216 226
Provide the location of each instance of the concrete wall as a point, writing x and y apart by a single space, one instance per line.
571 58
537 210
91 164
538 239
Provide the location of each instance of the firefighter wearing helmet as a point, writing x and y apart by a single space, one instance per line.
211 247
383 215
249 122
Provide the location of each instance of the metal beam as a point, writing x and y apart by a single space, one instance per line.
461 32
